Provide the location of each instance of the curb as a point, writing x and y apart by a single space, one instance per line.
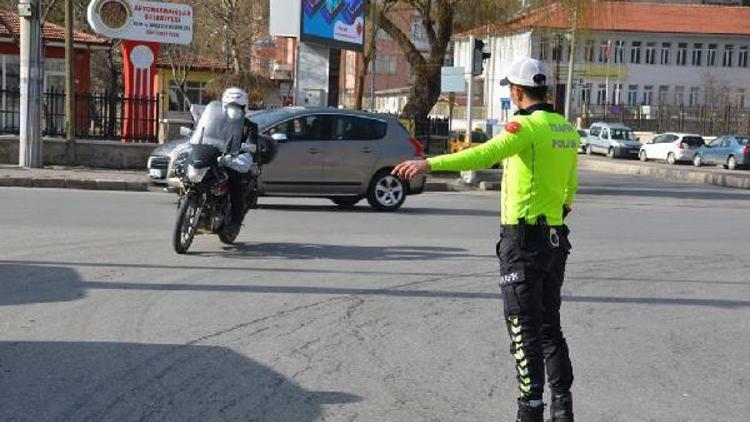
725 178
65 183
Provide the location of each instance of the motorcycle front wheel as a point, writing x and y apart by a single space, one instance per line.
186 224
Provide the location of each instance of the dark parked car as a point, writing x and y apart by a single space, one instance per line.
731 152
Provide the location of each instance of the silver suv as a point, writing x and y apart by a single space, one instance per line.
342 155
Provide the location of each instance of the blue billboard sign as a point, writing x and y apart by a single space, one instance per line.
336 23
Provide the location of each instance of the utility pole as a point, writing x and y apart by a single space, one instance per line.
571 69
31 76
70 121
470 88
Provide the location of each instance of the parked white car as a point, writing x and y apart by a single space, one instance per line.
672 147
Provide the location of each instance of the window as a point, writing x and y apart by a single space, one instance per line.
595 130
742 57
693 98
651 53
585 93
386 65
604 134
635 52
601 94
619 51
617 94
711 56
181 101
557 49
682 53
679 95
741 98
543 44
352 128
417 31
604 51
305 128
663 93
665 47
588 51
697 54
632 95
728 55
648 95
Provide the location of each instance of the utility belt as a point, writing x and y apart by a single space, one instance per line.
540 230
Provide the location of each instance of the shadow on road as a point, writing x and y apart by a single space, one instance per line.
406 210
76 381
42 283
22 284
339 252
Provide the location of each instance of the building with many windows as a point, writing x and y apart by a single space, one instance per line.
628 54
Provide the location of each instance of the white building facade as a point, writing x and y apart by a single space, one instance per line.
626 68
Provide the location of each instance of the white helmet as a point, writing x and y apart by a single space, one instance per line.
234 96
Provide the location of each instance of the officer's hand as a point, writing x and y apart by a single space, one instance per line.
411 169
567 209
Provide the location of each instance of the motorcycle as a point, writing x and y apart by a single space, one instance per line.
205 204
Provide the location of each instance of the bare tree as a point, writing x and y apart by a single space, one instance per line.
370 50
438 19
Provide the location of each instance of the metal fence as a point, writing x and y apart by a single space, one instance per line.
97 116
434 133
705 120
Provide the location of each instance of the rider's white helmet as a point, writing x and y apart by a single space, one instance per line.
234 96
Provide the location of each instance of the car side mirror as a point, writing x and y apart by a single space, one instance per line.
186 131
248 148
279 137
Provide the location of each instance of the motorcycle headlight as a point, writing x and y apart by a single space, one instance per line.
196 175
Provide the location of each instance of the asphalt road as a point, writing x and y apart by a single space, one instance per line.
321 314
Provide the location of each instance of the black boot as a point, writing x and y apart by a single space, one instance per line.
562 408
526 413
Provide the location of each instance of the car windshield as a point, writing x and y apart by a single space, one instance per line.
743 141
217 129
693 141
621 134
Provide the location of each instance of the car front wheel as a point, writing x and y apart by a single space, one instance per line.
698 160
386 192
732 163
642 156
611 153
671 158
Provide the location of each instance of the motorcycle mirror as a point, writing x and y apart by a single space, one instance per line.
279 137
186 131
248 148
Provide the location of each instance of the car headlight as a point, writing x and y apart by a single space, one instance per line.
196 175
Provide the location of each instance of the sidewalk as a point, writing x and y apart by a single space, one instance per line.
486 180
74 178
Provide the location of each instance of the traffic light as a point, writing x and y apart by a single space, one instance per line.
479 56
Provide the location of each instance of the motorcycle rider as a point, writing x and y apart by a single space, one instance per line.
237 163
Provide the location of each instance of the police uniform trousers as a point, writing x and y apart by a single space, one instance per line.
532 271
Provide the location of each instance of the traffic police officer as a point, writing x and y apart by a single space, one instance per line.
539 152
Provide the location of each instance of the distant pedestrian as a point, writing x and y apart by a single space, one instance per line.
539 152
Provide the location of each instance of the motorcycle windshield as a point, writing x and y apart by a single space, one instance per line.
216 128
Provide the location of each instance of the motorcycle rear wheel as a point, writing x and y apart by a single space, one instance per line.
186 225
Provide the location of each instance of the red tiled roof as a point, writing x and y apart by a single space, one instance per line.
194 61
633 17
10 22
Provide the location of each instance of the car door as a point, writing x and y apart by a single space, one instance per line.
711 150
666 146
652 147
602 144
352 152
297 168
724 151
593 137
